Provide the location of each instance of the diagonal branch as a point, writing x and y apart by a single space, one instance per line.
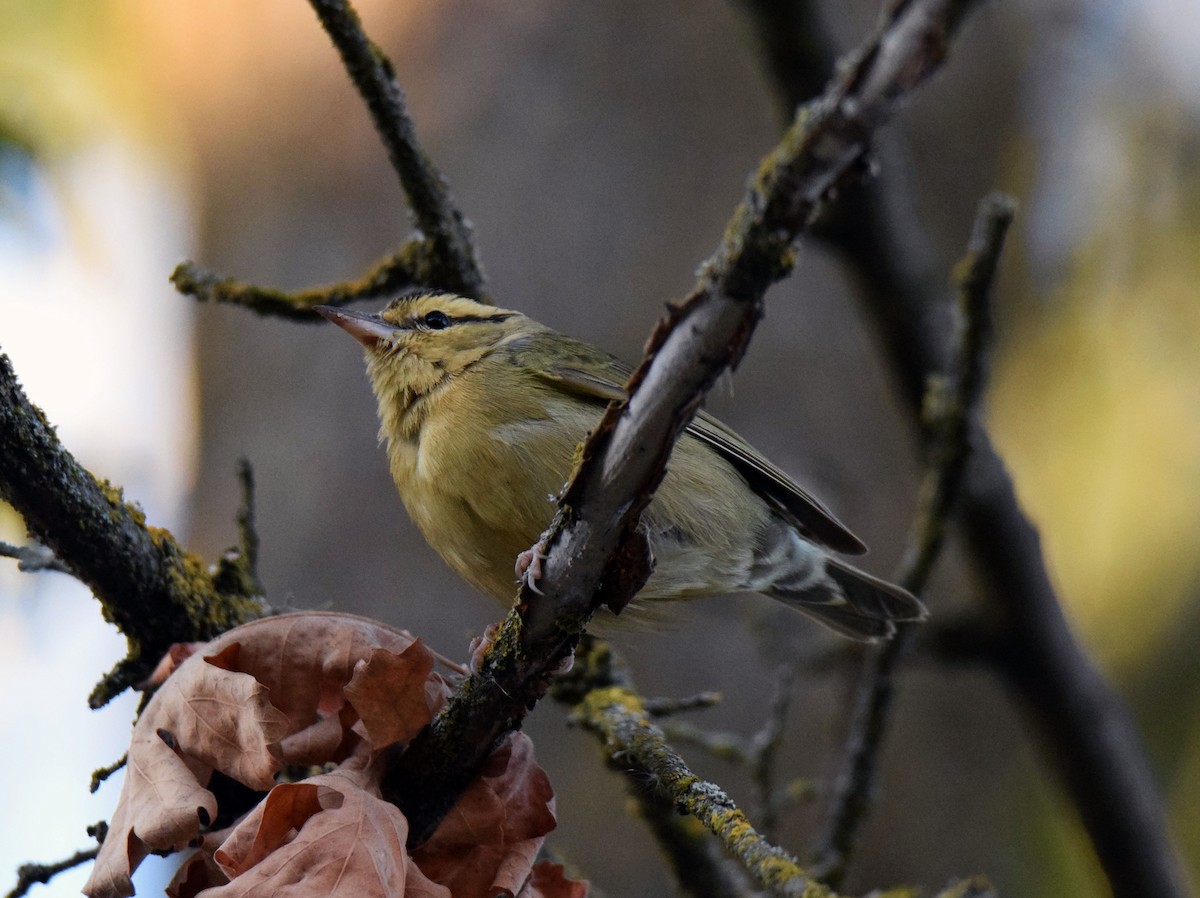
152 589
453 256
634 743
950 408
596 554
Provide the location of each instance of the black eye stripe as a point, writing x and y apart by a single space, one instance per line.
438 320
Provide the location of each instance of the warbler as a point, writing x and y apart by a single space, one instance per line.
482 409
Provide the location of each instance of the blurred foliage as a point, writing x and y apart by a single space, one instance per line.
1096 404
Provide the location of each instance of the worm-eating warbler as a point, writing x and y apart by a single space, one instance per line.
482 410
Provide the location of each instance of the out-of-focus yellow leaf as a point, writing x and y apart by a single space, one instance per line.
1097 410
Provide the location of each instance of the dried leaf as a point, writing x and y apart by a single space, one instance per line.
260 695
488 842
318 689
548 880
325 836
394 695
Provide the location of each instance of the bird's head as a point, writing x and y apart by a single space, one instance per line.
421 340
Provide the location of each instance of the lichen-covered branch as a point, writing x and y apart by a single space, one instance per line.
154 591
596 553
452 263
755 754
950 407
409 266
632 741
701 867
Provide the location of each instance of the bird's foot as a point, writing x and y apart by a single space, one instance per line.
529 566
480 644
479 647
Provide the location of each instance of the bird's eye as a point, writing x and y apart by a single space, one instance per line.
437 321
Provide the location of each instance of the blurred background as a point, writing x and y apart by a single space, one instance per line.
599 150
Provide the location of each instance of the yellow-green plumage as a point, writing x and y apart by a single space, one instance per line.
482 410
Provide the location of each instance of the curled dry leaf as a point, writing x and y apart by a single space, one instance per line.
267 693
489 840
318 689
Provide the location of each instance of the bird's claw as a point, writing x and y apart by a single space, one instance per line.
529 566
479 646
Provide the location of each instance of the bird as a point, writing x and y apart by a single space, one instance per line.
482 408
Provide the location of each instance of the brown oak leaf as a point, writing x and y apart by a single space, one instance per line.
264 694
318 689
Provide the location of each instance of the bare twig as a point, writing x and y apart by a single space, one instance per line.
29 875
949 410
667 707
409 266
153 590
100 774
237 571
33 557
452 260
247 531
594 538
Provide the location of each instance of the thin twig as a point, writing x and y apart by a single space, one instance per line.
594 539
763 747
756 754
101 774
409 266
453 254
29 875
247 530
33 557
667 707
950 409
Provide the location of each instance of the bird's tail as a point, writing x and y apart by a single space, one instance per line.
851 601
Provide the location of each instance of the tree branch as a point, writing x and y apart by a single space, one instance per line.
596 553
154 591
634 743
452 257
29 875
1087 732
949 407
411 265
701 867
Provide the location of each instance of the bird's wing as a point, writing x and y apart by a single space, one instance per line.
591 373
808 513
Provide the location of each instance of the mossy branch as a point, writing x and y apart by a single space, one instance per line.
633 742
152 589
409 266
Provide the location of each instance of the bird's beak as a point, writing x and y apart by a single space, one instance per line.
367 328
